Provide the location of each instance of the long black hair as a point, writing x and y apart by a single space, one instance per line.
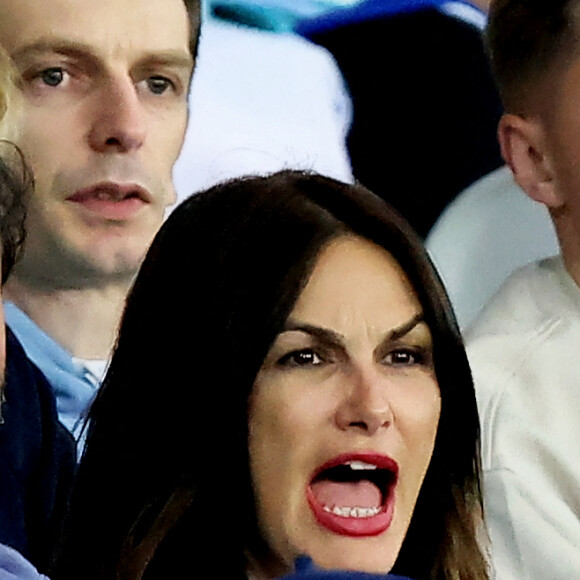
165 479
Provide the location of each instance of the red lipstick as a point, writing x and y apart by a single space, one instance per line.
353 493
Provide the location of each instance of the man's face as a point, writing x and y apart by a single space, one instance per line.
561 129
105 88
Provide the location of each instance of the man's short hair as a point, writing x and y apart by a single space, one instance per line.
194 13
527 40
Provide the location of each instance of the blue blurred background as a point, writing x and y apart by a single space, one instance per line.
275 15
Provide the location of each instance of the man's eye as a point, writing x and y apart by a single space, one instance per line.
301 358
52 76
158 85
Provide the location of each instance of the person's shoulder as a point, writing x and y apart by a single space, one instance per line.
29 393
38 457
531 297
27 389
518 319
531 323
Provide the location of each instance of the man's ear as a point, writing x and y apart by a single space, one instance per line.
523 148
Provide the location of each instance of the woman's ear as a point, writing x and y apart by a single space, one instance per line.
523 148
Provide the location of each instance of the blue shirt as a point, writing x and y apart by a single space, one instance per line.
73 384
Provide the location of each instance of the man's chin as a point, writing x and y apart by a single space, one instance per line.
78 271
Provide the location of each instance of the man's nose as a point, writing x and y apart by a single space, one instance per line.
366 404
118 124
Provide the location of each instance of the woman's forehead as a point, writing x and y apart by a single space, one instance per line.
355 278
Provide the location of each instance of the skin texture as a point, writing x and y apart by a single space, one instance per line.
362 390
105 102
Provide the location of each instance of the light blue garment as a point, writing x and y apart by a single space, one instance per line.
13 566
74 385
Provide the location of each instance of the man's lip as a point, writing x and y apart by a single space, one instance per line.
110 201
352 526
117 191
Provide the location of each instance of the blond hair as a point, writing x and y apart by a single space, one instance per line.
9 100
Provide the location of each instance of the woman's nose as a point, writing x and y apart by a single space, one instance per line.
366 405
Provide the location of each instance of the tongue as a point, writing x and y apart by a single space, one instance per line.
361 493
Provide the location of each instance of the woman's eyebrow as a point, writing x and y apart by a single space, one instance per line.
323 334
406 327
331 337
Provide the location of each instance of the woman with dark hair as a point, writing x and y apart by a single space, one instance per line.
288 379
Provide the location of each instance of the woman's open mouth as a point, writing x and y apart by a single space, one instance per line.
353 494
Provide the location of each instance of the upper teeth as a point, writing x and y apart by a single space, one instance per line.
360 465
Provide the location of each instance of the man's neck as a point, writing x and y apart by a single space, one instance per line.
85 322
569 241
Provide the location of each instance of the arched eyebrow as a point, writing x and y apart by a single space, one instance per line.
328 336
406 327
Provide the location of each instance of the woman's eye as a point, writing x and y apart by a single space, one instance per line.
158 85
404 357
53 76
301 358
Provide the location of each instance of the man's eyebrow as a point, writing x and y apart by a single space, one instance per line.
167 57
331 337
54 45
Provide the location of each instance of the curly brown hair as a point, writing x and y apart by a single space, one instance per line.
15 177
15 183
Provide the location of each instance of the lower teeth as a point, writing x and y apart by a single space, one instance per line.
352 512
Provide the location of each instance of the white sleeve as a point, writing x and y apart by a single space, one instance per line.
529 405
525 544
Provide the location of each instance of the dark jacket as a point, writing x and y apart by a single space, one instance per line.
37 461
